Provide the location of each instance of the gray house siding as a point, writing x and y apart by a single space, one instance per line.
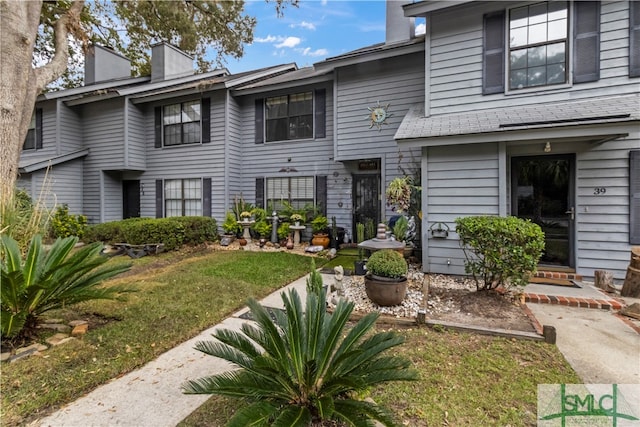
70 129
189 160
49 134
104 135
59 185
457 181
456 61
397 82
135 153
308 157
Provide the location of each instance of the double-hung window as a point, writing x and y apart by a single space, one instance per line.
181 123
298 191
289 117
538 45
183 197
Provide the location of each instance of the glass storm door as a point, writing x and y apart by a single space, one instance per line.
366 200
542 191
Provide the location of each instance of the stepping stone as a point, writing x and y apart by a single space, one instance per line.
58 339
59 327
75 323
80 329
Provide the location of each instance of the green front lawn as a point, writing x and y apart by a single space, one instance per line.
178 296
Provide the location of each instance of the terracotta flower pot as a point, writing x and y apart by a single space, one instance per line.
385 291
242 241
320 239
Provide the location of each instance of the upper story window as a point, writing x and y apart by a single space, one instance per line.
183 123
532 47
538 45
33 140
289 117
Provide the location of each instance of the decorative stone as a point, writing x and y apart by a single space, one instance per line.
5 356
52 320
75 323
225 241
80 330
59 327
58 339
32 348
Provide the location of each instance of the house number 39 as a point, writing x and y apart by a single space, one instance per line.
599 190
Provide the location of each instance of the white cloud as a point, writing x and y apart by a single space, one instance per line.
324 2
268 39
289 42
304 24
420 29
308 52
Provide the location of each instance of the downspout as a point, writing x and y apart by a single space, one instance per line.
58 112
226 140
126 132
335 114
427 67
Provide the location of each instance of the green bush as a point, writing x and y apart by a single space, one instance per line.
64 224
230 224
500 251
262 228
387 263
283 230
172 232
45 281
198 229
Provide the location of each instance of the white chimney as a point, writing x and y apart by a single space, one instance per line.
102 64
169 62
399 28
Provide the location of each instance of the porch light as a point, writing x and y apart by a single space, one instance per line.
547 147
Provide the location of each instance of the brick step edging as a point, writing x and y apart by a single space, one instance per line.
573 302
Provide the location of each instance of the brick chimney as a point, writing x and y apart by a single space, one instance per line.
399 28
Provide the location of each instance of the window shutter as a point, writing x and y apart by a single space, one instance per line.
158 126
634 202
38 128
206 120
206 197
493 53
634 39
321 193
320 118
586 42
159 198
260 192
259 121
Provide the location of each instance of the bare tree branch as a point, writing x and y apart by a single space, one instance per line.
66 24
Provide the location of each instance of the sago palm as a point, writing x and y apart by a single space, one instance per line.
304 366
47 280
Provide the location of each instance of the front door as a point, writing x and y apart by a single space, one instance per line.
130 199
542 191
366 200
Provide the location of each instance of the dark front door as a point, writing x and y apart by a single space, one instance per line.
130 199
366 200
542 191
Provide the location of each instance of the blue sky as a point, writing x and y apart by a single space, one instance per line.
313 31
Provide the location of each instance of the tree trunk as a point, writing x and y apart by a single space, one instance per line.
20 82
603 279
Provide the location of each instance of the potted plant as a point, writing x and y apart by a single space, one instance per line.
231 228
319 229
296 218
386 278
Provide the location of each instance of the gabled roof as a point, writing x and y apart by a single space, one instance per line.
373 53
294 78
32 165
602 110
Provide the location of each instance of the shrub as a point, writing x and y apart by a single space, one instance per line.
230 224
173 232
283 230
319 224
262 227
198 229
64 224
46 281
500 250
161 230
387 263
304 366
400 228
22 219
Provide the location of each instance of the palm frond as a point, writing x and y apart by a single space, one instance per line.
256 414
293 416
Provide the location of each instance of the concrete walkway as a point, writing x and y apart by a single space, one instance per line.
597 344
